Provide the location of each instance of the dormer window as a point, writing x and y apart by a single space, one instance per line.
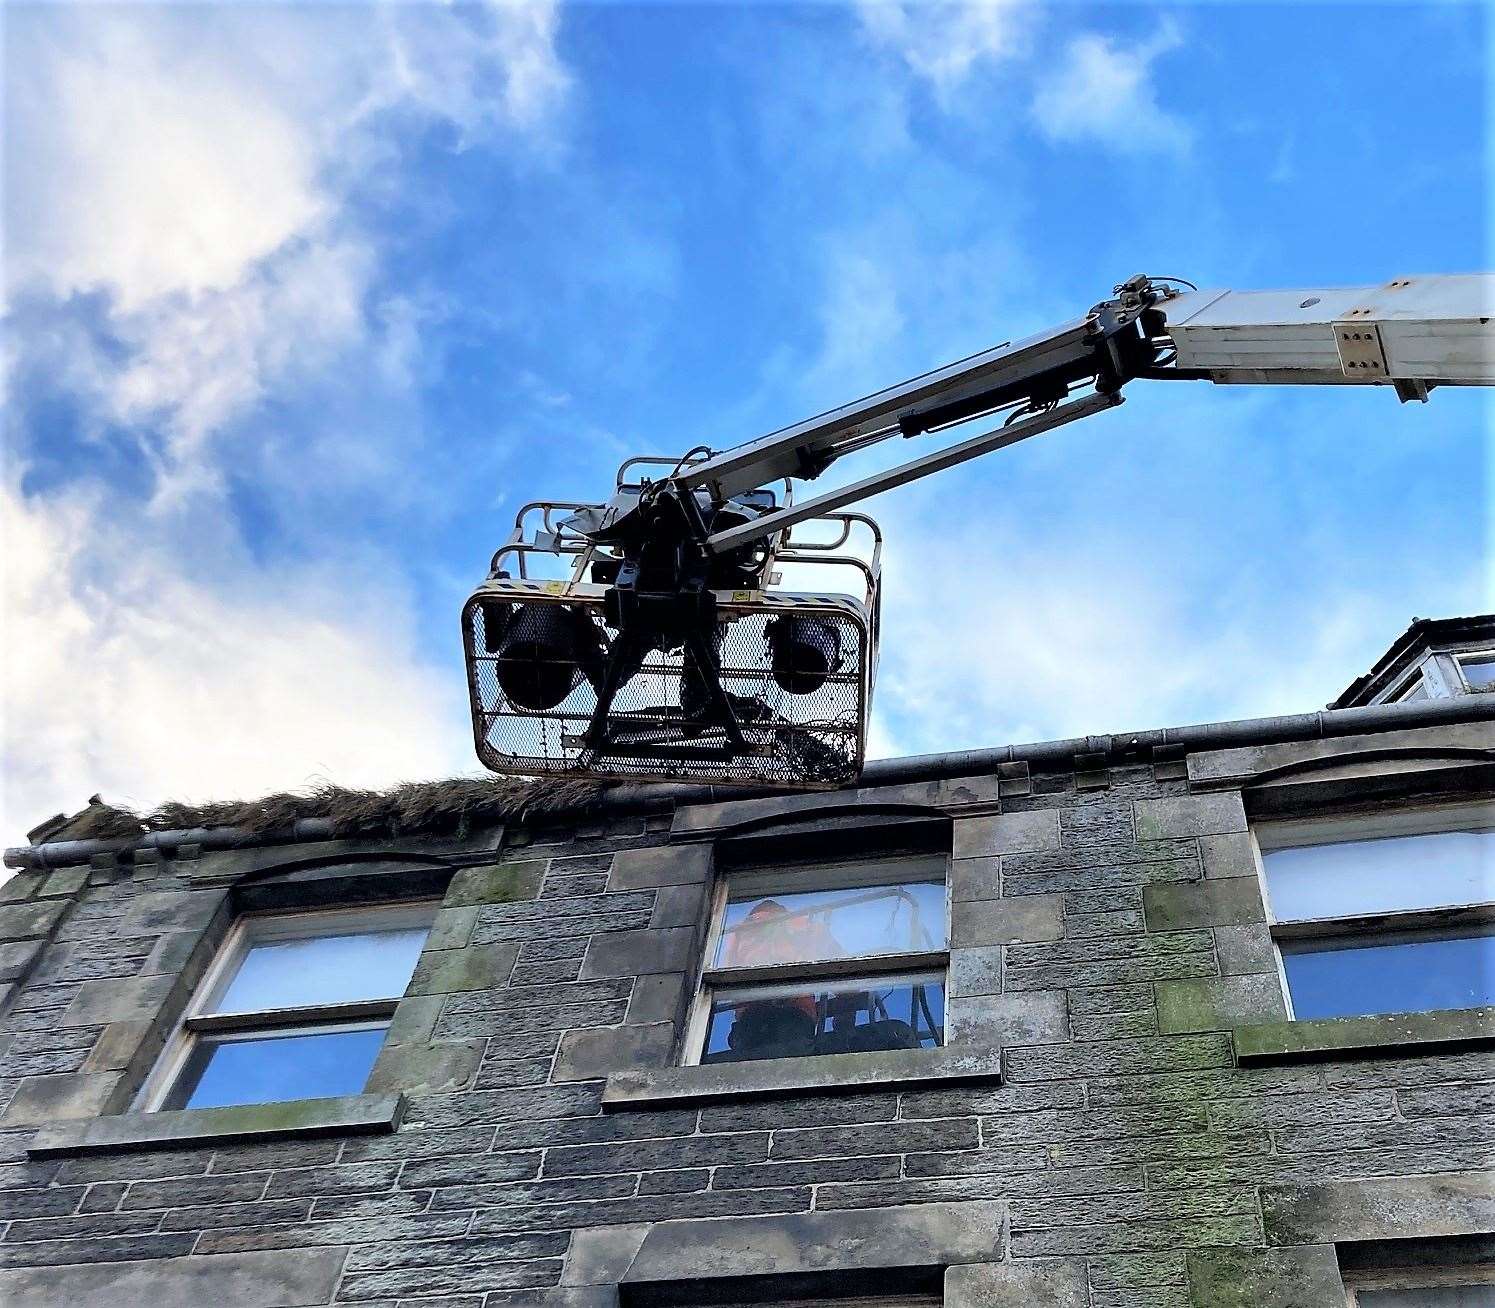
1478 671
1414 688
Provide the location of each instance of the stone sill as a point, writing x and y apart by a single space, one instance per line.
823 1074
343 1115
1326 1038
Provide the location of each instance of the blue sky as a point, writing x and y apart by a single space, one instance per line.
303 302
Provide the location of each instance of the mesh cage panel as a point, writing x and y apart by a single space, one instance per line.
811 740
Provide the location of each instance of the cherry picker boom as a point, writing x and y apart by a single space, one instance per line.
702 624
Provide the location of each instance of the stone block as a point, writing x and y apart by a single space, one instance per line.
678 906
975 972
160 911
426 1069
1246 950
1189 815
341 1115
452 928
174 952
1032 1283
30 920
1035 1017
597 1053
1223 857
98 1003
414 1021
120 1043
1380 1208
64 883
658 998
17 957
976 878
1026 919
495 883
1322 1038
449 971
60 1097
900 1068
922 1235
1218 1003
1006 833
1306 1277
600 1255
282 1278
666 865
17 886
639 953
1181 905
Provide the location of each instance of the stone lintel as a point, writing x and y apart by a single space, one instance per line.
340 1115
827 1073
935 1235
1024 1283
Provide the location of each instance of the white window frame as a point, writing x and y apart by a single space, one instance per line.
1472 656
1409 688
256 928
1367 928
796 879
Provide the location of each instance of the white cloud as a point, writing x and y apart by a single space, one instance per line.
192 172
997 636
123 676
194 165
945 43
1102 92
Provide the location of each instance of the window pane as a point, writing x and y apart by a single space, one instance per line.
848 1017
1413 977
265 1069
1479 673
323 969
1415 689
1440 1296
814 925
1353 877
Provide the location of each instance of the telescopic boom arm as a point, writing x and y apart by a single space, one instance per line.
1413 333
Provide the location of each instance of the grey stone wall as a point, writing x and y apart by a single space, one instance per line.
1107 937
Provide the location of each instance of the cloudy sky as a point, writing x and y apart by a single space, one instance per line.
303 301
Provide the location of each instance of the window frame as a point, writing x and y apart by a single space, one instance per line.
1419 1278
254 928
1473 656
1400 926
800 877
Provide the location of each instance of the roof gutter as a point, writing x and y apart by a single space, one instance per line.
1127 747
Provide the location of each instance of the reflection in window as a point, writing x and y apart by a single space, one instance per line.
1352 977
1368 926
324 969
817 925
832 959
1346 878
265 1067
789 1021
1479 672
1415 689
295 1007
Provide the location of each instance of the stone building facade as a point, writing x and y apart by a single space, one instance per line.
1126 1091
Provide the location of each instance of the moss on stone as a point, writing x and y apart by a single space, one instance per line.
495 883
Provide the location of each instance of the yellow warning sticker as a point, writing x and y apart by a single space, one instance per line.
555 587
